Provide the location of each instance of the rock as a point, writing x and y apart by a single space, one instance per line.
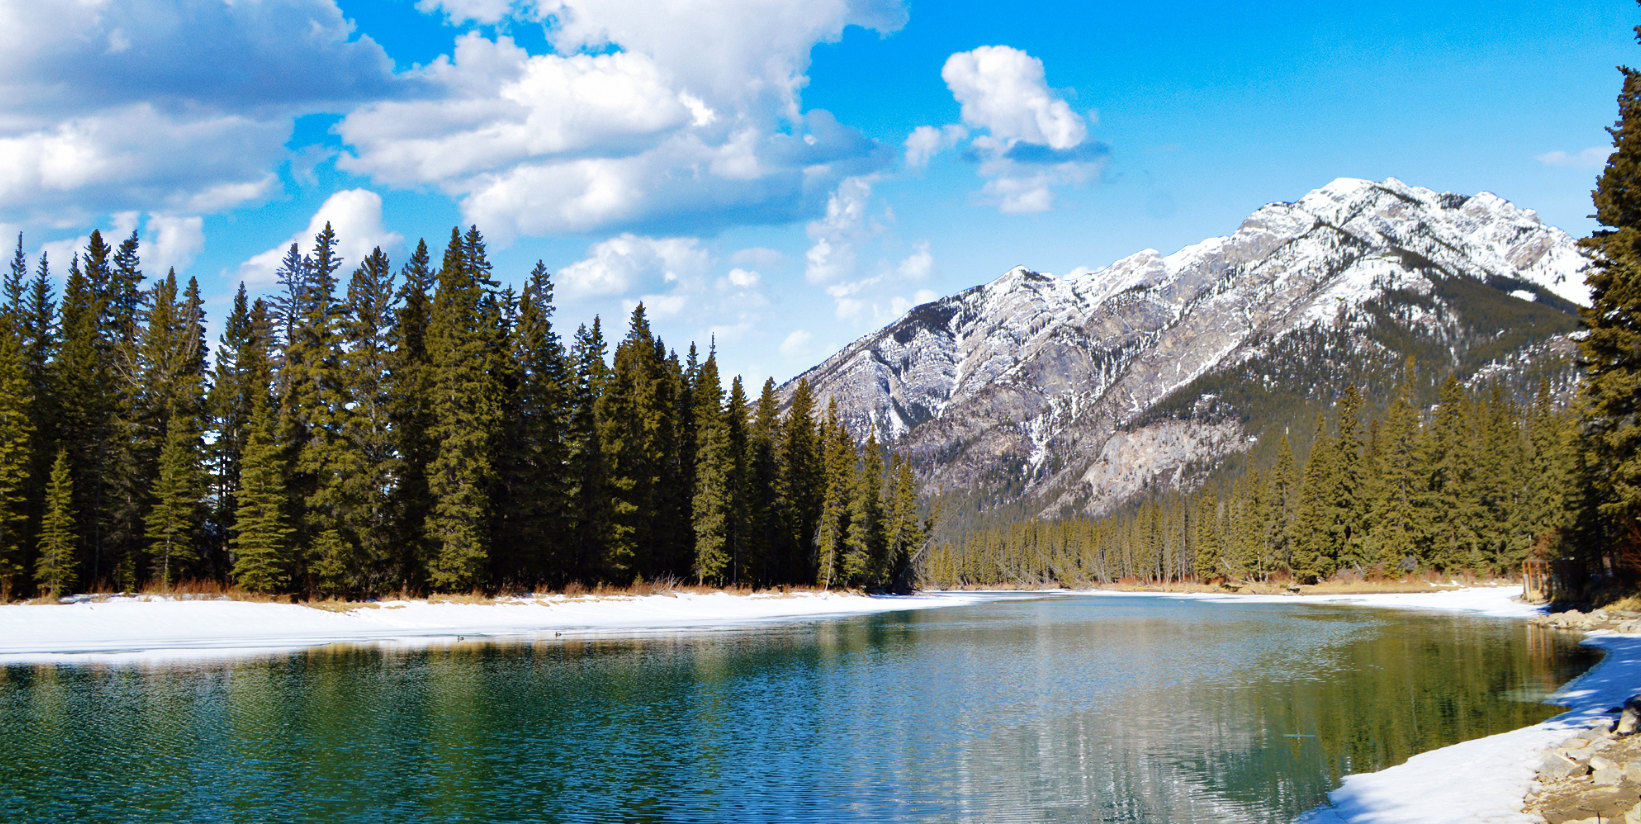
1606 773
1633 816
1629 719
1558 767
1632 771
1589 734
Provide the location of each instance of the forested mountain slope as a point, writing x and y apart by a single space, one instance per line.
1063 395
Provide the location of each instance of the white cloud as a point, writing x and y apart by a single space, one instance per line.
59 253
919 264
797 343
172 242
165 106
138 156
1033 141
631 263
927 141
685 118
1004 91
838 235
485 12
1592 158
355 215
743 279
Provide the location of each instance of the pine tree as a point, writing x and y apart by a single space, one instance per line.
1345 499
766 511
54 573
1284 499
712 482
261 539
87 404
743 554
832 527
863 563
533 465
802 484
410 390
462 336
172 522
1611 351
588 465
1449 465
631 417
1312 545
367 459
16 435
1397 518
904 537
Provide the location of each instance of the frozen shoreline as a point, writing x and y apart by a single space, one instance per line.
1482 780
138 629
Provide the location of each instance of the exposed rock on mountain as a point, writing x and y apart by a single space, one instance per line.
1080 392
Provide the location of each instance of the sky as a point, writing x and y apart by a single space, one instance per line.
780 177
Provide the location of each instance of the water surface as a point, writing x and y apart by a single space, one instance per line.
1031 709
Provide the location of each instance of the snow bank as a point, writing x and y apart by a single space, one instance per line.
126 629
1493 601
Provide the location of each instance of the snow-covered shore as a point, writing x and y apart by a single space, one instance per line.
129 629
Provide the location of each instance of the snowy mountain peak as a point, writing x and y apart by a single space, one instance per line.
1038 375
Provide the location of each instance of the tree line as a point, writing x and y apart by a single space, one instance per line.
1474 482
425 429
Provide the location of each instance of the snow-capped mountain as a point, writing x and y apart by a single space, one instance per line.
1043 385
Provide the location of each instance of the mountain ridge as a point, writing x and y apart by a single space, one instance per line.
1023 382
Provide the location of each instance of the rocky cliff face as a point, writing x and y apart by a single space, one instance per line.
1048 387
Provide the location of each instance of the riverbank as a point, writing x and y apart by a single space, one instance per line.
137 628
1486 779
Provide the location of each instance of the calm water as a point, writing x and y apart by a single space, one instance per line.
1040 709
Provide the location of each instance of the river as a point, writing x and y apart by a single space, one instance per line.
1029 708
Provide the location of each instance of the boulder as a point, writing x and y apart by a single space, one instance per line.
1606 773
1633 816
1629 718
1558 767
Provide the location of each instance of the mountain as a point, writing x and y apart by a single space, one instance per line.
1078 393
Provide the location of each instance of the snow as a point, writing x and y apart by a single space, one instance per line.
133 629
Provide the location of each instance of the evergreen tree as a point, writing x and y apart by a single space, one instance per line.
631 418
712 502
87 405
766 512
54 572
832 528
534 469
1397 517
172 522
16 434
368 458
588 465
463 331
864 549
1313 525
410 391
903 536
260 542
1450 498
1611 351
743 553
802 483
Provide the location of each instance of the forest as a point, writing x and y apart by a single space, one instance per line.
418 430
1474 482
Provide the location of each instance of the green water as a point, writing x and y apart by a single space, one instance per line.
1037 709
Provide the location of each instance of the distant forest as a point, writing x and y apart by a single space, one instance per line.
424 430
1474 482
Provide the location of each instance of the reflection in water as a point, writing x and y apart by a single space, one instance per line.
1051 709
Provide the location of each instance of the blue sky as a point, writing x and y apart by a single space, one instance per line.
783 176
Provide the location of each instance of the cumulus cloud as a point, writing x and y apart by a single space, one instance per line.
1592 158
172 242
1029 141
837 236
631 263
1004 91
355 215
927 141
167 106
653 118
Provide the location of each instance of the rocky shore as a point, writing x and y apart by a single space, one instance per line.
1594 777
